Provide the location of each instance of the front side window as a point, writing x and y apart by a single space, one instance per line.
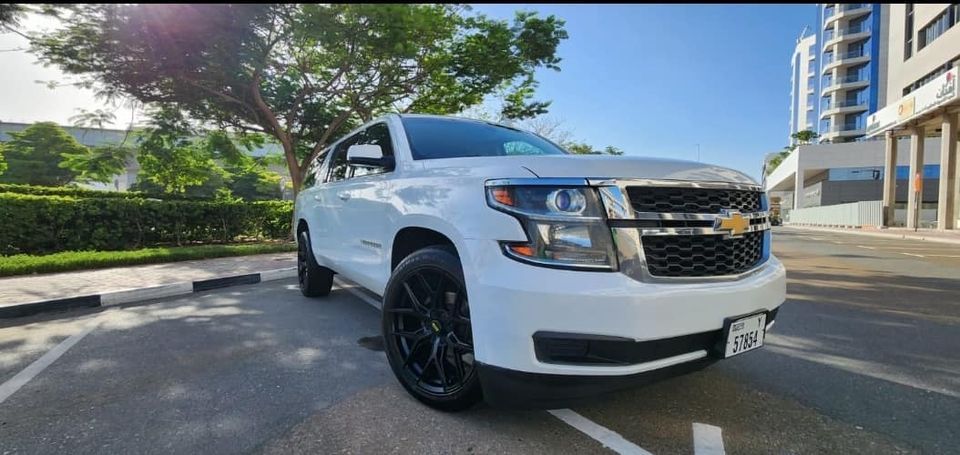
313 172
338 163
378 134
433 137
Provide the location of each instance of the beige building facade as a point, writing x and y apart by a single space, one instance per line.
923 100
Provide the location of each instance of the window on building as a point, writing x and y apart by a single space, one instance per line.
812 66
908 32
931 76
937 26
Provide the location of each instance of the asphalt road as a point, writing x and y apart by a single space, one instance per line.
864 358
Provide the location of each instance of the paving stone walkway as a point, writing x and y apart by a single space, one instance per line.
29 288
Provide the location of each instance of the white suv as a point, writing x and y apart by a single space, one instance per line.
515 272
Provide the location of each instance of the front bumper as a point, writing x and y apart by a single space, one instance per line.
510 302
511 389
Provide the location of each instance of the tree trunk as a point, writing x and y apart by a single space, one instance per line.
296 176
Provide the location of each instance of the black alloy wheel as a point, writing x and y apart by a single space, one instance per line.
426 324
314 279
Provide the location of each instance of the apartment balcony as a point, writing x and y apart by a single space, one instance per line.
842 107
833 36
831 61
844 83
849 11
844 130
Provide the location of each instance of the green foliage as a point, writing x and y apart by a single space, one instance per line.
805 136
775 161
174 160
22 264
169 158
42 224
304 74
34 154
99 164
800 138
3 163
580 148
79 192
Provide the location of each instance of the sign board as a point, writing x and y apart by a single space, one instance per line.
938 92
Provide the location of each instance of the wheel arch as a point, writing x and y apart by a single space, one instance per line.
412 238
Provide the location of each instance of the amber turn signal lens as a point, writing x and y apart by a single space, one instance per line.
522 250
503 196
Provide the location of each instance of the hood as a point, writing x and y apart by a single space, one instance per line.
602 166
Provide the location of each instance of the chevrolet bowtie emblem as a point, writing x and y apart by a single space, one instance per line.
733 222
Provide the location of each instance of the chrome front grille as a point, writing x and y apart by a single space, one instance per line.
668 230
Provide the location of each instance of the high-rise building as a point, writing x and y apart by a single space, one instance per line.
851 55
803 83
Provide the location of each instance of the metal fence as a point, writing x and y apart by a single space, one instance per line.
855 214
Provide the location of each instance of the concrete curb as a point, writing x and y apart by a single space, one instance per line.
888 235
106 299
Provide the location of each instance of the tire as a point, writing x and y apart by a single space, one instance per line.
430 346
314 279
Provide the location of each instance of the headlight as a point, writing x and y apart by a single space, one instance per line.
565 225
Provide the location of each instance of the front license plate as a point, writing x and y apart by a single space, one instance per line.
745 334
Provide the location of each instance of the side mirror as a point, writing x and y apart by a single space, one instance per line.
368 155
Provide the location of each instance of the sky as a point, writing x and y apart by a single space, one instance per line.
652 80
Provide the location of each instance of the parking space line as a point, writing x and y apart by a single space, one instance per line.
22 378
608 438
707 440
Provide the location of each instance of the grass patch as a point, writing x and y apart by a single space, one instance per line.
23 264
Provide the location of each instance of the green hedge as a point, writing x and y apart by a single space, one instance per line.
38 190
22 264
45 224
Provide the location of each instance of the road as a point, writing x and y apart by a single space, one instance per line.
864 358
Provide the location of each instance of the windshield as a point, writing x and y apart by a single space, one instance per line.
432 137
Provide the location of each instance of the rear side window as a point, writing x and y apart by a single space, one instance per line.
432 138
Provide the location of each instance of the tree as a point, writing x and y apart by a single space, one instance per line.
580 148
804 137
171 158
178 157
34 154
549 127
3 163
98 164
305 74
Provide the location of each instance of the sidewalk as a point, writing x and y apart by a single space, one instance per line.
31 288
930 235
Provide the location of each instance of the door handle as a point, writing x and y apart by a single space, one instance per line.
343 195
317 197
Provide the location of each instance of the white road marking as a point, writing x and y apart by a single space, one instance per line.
707 440
866 247
911 254
22 378
608 438
351 288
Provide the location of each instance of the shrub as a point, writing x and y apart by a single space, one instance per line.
22 264
84 193
44 224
